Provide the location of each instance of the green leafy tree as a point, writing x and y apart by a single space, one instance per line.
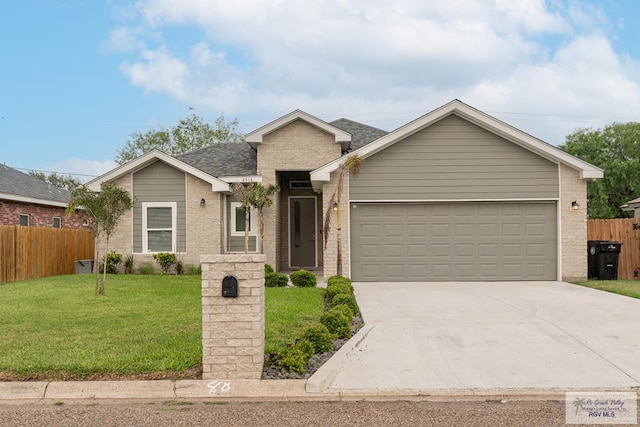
615 149
59 180
351 165
254 195
102 210
191 133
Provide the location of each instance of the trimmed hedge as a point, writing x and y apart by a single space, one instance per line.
320 337
275 280
347 300
303 279
268 269
296 356
337 322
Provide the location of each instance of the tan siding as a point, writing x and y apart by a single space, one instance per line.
455 159
159 182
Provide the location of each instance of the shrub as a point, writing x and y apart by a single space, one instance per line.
338 288
166 260
303 279
295 356
335 279
146 268
179 267
268 269
320 337
344 309
337 323
347 300
113 260
276 280
128 264
194 270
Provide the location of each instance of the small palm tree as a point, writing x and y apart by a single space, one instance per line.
102 210
351 165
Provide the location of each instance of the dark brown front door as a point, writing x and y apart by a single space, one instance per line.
302 232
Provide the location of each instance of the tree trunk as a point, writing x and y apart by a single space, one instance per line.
339 242
261 219
96 265
247 212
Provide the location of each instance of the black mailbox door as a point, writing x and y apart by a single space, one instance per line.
230 287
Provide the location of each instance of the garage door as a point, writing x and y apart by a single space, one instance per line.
453 241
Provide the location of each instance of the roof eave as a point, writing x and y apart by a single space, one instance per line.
257 136
217 185
587 171
36 201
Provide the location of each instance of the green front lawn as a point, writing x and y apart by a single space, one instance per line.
630 288
145 326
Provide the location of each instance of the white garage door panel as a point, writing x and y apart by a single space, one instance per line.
453 241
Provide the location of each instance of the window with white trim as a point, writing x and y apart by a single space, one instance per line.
159 226
238 220
57 222
24 220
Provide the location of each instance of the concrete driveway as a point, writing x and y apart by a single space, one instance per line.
491 335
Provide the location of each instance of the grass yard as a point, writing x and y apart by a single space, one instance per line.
630 288
145 326
288 312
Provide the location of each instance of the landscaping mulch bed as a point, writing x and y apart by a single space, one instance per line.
272 372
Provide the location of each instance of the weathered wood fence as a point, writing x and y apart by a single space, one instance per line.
625 231
33 252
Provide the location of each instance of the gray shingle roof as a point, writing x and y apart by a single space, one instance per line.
361 134
239 159
223 159
16 183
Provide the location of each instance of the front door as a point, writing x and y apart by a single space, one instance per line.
302 232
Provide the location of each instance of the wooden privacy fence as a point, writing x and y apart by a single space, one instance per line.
33 252
625 231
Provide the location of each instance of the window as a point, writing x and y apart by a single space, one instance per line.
159 227
300 185
57 222
24 220
238 220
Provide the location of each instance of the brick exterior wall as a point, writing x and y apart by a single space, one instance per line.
204 225
331 249
233 328
574 225
39 215
297 146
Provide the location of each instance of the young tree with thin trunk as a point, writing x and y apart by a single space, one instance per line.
351 165
254 195
102 210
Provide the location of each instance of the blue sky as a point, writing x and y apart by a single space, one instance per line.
78 77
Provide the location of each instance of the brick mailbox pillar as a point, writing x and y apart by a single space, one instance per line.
232 327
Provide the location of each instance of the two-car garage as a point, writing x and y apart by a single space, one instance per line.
462 241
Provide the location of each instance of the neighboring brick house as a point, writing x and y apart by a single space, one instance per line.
453 195
29 201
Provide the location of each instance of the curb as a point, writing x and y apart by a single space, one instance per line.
324 376
260 390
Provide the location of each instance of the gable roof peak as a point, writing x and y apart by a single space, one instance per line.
257 136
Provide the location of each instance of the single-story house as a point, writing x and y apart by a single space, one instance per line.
632 206
28 201
453 195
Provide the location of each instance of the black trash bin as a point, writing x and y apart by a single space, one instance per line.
603 259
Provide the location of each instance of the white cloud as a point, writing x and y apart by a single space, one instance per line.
364 58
